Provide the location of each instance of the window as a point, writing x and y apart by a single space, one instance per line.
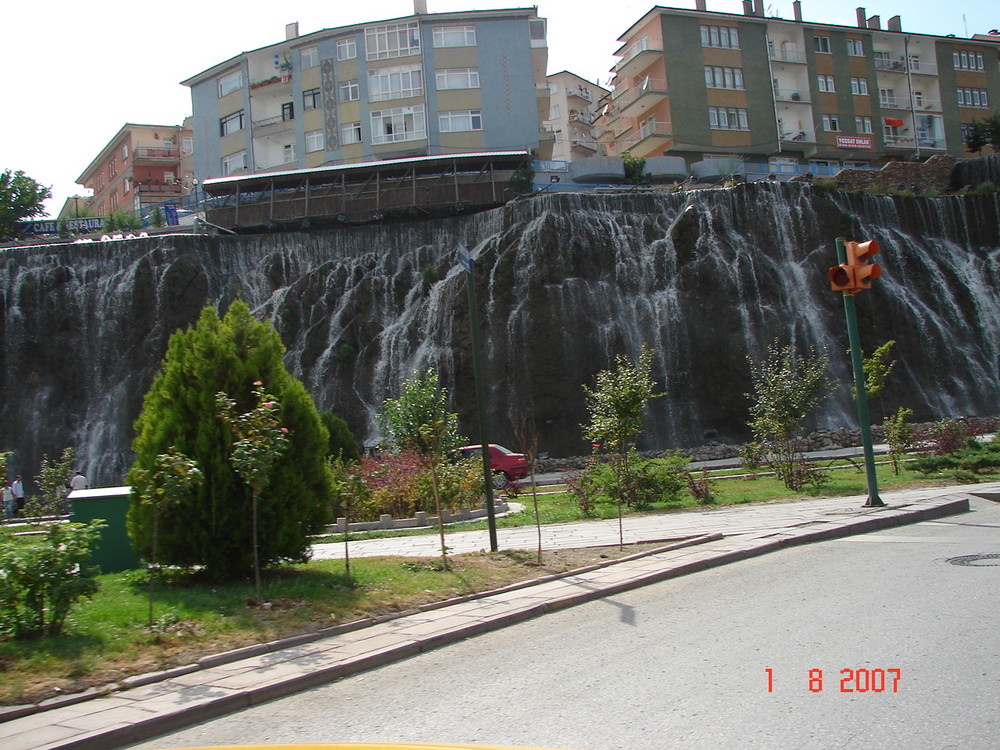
125 153
231 123
966 60
887 97
311 99
536 29
310 57
350 132
826 84
187 145
855 48
398 124
720 36
883 60
288 153
112 167
454 36
859 86
821 44
460 121
314 140
973 98
555 112
347 49
395 83
391 40
727 118
126 185
863 124
288 111
717 77
831 122
349 91
457 78
234 163
230 83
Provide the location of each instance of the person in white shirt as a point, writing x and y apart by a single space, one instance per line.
78 482
18 489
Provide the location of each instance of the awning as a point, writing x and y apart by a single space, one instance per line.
893 123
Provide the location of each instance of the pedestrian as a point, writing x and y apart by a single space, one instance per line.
18 488
78 482
8 501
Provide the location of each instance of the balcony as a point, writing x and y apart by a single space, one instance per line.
273 125
585 147
158 187
933 143
798 136
642 98
899 66
891 102
652 136
580 92
788 56
272 81
795 96
636 58
144 153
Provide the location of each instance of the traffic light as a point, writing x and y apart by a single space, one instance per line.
857 273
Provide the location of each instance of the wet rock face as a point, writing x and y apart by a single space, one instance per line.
564 282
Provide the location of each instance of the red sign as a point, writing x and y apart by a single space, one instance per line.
854 142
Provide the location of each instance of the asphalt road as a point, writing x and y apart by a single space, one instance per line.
683 664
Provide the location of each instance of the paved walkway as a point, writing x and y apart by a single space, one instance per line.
149 705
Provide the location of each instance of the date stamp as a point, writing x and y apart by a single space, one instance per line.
851 681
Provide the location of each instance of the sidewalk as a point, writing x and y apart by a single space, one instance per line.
149 705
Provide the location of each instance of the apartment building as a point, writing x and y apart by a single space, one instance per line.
574 104
420 85
142 165
788 96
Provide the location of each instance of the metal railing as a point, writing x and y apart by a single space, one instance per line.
146 152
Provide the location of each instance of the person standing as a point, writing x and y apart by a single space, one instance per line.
78 482
8 501
18 489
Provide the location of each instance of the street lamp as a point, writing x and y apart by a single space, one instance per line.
470 284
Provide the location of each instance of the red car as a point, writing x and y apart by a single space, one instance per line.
507 465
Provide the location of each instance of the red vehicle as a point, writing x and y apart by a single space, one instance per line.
507 466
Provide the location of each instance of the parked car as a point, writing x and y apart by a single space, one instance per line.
507 466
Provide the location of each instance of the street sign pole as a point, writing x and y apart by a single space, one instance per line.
857 364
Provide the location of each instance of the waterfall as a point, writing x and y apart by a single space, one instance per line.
565 281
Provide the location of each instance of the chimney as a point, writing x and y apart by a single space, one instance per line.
700 5
862 16
875 22
797 10
747 7
291 30
758 8
419 7
894 24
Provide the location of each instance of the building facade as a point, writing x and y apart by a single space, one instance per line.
787 96
421 85
142 165
574 103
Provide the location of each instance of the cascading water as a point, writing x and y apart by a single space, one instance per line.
565 282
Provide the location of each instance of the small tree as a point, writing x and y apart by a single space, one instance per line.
635 168
342 443
786 388
20 198
51 479
617 407
876 368
173 477
420 420
156 218
899 435
527 438
260 442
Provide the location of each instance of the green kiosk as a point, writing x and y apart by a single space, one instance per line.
113 552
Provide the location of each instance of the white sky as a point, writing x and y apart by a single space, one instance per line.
76 72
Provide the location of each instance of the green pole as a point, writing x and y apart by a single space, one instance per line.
857 364
470 285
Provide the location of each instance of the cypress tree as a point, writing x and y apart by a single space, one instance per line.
212 526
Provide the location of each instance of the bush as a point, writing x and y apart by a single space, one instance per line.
646 482
965 464
43 576
946 436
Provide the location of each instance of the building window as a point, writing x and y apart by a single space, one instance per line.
391 40
966 60
314 140
887 97
125 153
398 124
859 86
855 48
720 36
454 36
231 123
126 185
555 112
973 98
863 124
288 153
349 91
347 49
460 121
234 163
310 57
230 83
395 83
350 132
821 44
187 144
831 123
311 99
112 167
826 84
727 118
717 77
457 78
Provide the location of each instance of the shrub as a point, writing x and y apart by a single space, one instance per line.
646 482
899 435
946 436
342 443
700 487
44 576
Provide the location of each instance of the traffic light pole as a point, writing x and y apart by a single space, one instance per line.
857 364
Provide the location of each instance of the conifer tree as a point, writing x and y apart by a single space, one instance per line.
213 525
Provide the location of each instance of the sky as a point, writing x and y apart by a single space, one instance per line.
77 72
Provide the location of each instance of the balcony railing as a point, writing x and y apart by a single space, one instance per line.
799 136
580 92
271 121
158 187
270 81
779 55
144 152
899 66
792 95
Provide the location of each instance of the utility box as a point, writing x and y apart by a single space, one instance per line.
113 552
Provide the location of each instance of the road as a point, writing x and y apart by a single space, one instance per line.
683 664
